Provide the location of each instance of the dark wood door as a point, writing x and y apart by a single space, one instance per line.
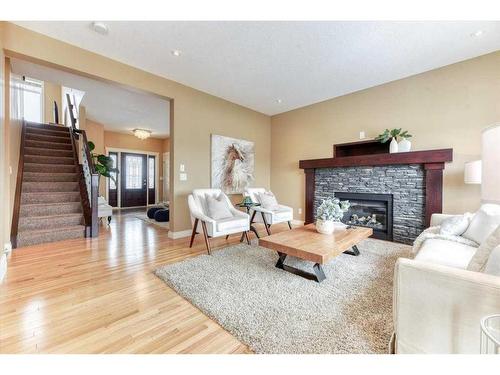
133 187
151 179
112 186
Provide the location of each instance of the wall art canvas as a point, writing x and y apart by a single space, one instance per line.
232 164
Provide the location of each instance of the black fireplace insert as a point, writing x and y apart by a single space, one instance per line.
369 210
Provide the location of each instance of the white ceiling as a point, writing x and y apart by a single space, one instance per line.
256 63
117 108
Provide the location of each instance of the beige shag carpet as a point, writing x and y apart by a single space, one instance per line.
274 311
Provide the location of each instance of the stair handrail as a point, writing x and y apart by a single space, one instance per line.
89 178
19 188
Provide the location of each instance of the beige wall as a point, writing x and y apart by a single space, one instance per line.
446 107
51 93
194 114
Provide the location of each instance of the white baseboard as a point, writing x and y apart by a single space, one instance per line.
3 266
298 222
180 234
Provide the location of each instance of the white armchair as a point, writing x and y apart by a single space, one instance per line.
268 217
238 223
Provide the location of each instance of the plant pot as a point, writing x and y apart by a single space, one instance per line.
404 145
329 226
393 147
325 226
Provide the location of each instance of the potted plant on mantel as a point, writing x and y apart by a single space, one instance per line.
329 213
404 144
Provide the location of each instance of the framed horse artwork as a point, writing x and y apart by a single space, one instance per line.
232 164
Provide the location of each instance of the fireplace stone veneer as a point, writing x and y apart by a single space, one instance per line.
406 184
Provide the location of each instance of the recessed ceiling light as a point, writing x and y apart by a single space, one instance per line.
176 52
477 33
100 28
279 101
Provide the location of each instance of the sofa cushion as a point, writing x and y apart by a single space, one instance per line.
228 224
484 222
482 255
446 253
455 225
217 207
492 266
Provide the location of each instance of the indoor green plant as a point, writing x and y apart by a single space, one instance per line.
103 164
396 134
329 213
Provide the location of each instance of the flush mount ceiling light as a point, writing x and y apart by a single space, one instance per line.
142 133
477 34
100 27
279 101
176 52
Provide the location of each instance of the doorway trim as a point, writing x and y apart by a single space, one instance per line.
119 151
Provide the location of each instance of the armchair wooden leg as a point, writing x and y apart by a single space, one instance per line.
268 229
246 237
290 224
227 236
205 234
253 217
194 232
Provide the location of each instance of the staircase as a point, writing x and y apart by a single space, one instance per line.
49 199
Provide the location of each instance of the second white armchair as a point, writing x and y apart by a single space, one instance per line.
270 212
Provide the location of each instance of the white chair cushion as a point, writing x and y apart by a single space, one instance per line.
484 222
217 207
282 213
456 225
493 264
268 201
232 223
447 253
482 254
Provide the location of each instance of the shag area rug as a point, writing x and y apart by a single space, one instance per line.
274 311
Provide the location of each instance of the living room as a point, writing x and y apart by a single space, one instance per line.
327 197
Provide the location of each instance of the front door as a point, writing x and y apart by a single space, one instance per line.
134 188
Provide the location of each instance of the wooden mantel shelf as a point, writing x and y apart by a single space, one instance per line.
433 162
414 157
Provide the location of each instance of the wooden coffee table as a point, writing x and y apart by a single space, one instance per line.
307 244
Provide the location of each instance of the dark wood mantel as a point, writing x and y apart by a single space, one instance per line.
433 162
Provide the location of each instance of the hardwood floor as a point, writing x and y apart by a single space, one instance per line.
100 296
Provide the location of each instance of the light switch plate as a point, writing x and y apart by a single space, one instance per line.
362 135
182 168
183 176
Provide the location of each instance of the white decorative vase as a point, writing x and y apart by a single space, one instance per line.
329 226
404 145
393 148
325 226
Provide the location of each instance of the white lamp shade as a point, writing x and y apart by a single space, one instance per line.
490 187
472 173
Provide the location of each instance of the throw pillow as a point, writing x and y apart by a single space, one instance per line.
484 222
492 266
455 225
268 201
480 258
217 207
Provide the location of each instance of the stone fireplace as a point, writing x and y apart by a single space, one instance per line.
395 194
402 185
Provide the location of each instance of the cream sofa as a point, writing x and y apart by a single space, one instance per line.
438 304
